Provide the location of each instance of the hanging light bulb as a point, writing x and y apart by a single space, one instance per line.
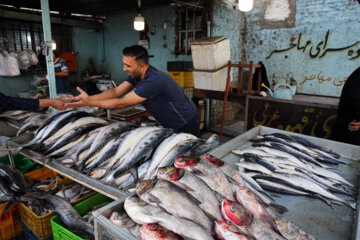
53 44
139 22
245 5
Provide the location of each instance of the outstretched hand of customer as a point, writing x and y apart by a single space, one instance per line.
354 126
79 101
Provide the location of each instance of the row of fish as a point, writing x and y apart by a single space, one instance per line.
293 165
118 153
202 199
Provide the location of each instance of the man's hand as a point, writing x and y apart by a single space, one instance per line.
78 101
56 103
354 126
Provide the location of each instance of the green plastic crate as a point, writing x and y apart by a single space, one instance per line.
22 163
60 232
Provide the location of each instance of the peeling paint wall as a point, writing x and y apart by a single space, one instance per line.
319 49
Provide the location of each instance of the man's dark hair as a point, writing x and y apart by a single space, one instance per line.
137 51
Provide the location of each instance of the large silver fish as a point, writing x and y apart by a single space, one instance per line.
195 187
209 173
173 199
143 213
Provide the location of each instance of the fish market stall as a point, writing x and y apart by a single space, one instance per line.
312 215
74 175
309 214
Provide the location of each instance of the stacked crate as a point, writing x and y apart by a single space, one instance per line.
181 72
210 56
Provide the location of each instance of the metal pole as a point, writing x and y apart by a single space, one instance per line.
45 14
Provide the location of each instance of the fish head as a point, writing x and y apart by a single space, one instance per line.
214 160
144 186
225 225
182 162
170 173
235 213
155 231
248 195
98 173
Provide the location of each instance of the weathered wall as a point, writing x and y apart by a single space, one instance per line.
316 42
119 33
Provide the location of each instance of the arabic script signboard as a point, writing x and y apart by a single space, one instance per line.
314 119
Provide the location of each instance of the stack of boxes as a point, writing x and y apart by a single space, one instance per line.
181 72
210 57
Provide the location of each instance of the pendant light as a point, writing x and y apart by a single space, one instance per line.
245 5
139 21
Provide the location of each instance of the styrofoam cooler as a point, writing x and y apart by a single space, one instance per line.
210 53
211 80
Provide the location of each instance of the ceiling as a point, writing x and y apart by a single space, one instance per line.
97 8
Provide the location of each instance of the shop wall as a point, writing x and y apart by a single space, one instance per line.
315 42
119 33
88 46
12 85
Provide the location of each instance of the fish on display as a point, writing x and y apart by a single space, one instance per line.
154 231
68 215
143 213
212 142
305 185
228 231
209 173
169 149
33 122
242 179
141 151
256 207
253 228
173 199
105 134
195 187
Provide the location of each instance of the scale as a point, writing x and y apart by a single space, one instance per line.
128 114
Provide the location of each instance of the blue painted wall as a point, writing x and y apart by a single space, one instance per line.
119 33
328 51
12 85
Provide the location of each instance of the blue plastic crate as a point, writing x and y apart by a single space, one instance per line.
30 235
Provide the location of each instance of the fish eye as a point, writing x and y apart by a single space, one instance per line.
232 208
180 159
161 171
153 227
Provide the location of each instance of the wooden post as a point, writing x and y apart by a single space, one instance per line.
240 79
259 81
250 77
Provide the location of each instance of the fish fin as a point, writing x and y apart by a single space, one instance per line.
278 208
197 171
162 208
183 186
151 198
315 195
133 171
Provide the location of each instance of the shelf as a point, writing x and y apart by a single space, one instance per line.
96 185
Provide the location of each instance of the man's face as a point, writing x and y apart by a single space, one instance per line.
133 67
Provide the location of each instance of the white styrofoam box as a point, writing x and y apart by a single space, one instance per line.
211 80
210 53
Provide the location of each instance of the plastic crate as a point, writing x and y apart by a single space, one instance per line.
178 77
188 80
22 163
10 225
103 223
29 235
41 225
60 232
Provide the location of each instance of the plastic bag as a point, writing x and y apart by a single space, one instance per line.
13 65
3 64
23 60
32 57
